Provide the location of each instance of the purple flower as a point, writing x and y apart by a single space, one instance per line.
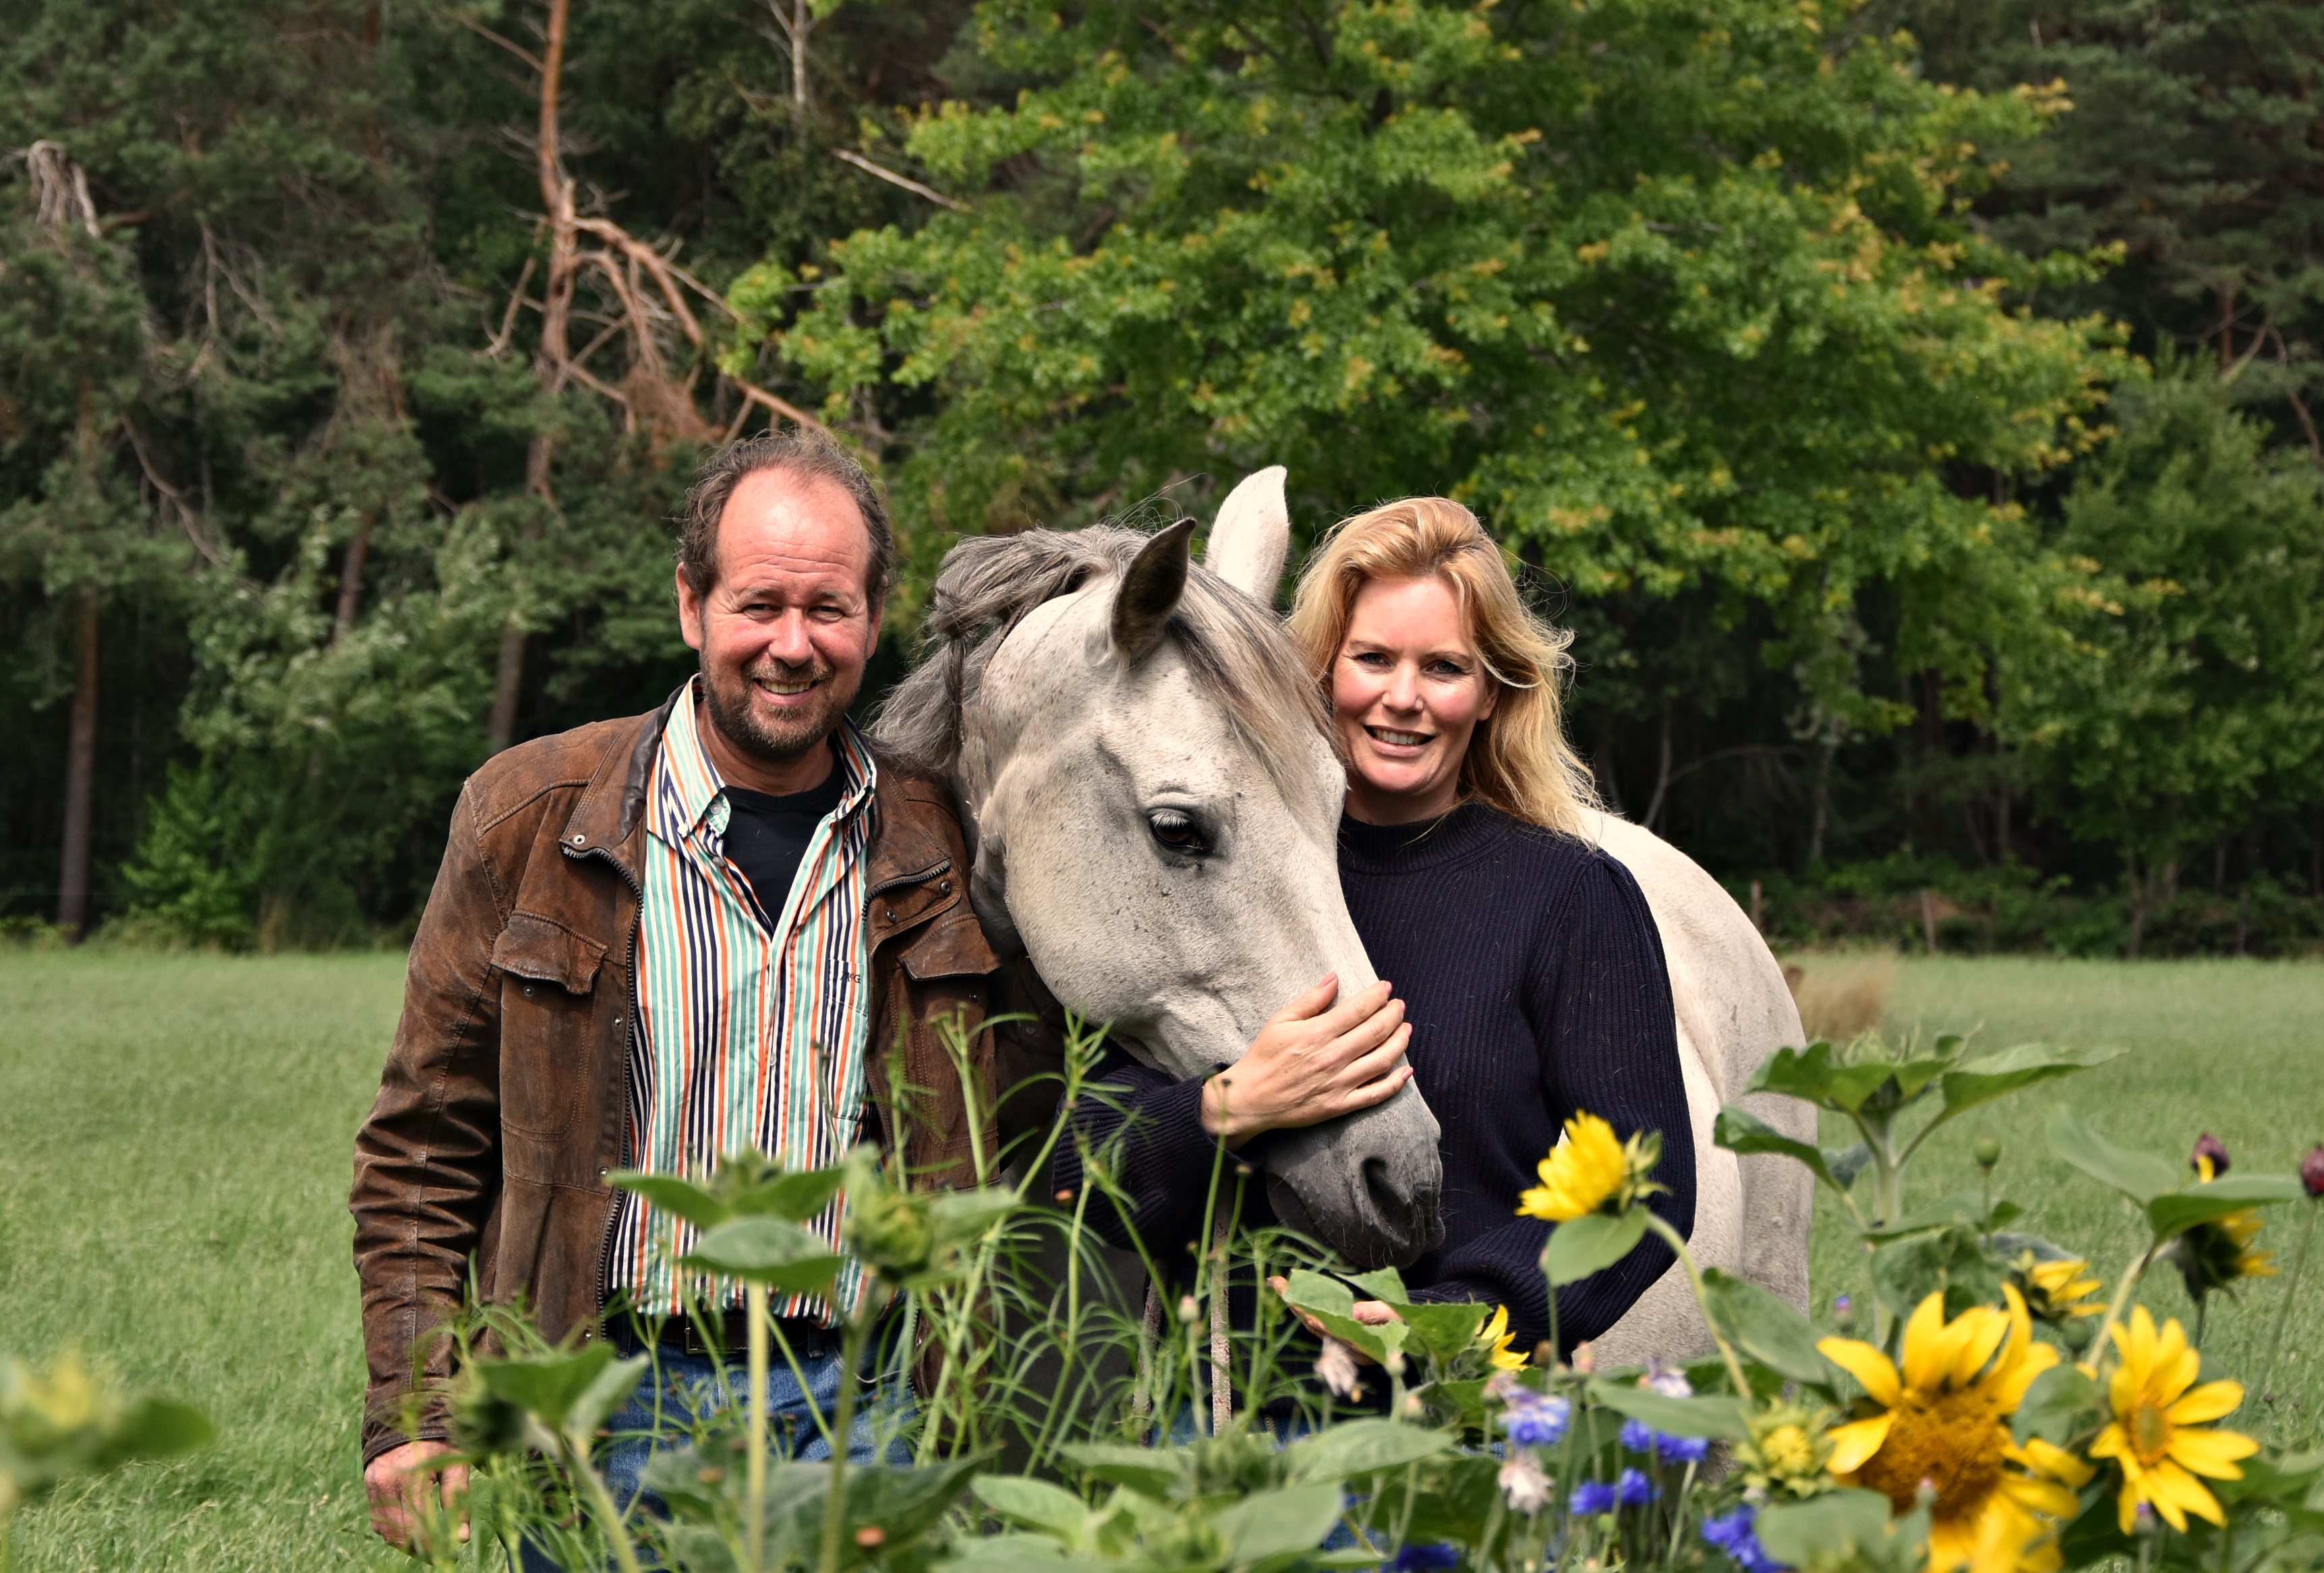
1535 1420
1632 1489
1432 1558
1735 1534
1590 1498
2311 1171
1641 1437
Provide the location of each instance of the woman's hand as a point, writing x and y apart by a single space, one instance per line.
1312 1062
1372 1313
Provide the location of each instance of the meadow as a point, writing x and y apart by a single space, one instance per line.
174 1159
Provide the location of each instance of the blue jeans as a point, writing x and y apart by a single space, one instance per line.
681 1387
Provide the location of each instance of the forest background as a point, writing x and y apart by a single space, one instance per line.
1911 406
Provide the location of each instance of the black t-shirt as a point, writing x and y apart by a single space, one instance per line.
766 837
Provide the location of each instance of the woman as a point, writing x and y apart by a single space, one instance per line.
1531 980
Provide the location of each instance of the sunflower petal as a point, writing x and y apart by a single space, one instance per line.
2207 1402
1982 1338
2172 1487
1852 1444
2053 1460
2211 1453
1926 1346
1874 1371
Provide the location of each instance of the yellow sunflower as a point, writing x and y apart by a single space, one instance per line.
2058 1291
2155 1437
1589 1171
1942 1421
1496 1336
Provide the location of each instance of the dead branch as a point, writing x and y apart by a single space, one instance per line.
498 346
486 33
174 497
59 189
881 171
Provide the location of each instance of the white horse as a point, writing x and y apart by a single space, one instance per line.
1142 767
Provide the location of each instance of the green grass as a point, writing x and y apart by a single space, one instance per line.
175 1153
174 1159
2236 1048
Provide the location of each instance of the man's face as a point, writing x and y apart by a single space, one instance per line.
786 628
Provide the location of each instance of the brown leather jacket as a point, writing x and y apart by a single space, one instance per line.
505 1101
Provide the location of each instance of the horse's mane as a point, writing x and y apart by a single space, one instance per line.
1234 647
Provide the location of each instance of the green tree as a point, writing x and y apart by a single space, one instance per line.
2196 696
1680 297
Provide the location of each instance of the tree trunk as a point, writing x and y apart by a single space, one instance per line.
351 578
2001 823
508 681
2138 883
1824 751
81 775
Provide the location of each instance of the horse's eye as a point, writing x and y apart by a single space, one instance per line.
1178 830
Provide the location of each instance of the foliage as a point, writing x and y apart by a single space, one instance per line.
2010 1455
66 1423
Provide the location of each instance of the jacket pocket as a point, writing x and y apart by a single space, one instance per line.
549 978
952 945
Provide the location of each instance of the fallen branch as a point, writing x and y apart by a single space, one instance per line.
882 172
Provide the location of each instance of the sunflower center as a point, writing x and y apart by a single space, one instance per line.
1952 1440
2150 1433
1788 1452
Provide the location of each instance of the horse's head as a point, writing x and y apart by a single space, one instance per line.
1142 764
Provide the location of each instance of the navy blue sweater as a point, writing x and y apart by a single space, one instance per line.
1535 983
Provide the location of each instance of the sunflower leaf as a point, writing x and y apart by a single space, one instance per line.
2200 1204
1714 1415
2062 1405
1740 1131
1993 1076
1591 1244
1766 1328
2140 1176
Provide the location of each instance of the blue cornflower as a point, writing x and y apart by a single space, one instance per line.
1632 1489
1433 1557
1592 1497
1735 1534
1537 1420
1641 1437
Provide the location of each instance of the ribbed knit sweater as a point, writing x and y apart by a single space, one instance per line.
1535 983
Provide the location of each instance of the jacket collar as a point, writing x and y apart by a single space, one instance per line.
909 812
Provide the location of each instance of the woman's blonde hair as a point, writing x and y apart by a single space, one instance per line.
1519 761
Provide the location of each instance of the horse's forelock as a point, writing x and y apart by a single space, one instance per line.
1234 647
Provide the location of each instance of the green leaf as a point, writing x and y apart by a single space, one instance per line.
1269 1523
1766 1328
1333 1305
672 1195
1842 1529
1359 1448
962 1216
1993 1076
1591 1244
1966 1207
155 1428
2061 1405
550 1388
1384 1284
2140 1176
1738 1130
1717 1415
1149 1471
1444 1331
1951 1261
769 1251
1815 1075
2200 1204
798 1197
1037 1503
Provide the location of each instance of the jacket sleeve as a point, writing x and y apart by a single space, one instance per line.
1600 1001
428 1160
1142 1131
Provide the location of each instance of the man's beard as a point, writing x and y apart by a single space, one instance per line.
796 733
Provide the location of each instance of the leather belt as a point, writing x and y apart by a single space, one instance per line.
731 1335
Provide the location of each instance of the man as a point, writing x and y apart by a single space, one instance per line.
657 939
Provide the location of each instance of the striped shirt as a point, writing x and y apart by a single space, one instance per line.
746 1037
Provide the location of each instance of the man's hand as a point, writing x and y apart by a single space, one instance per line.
398 1483
1312 1062
1372 1313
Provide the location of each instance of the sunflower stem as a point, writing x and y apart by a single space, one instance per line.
2283 1306
1702 1299
2122 1293
754 1526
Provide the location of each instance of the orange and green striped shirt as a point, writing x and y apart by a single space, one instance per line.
747 1036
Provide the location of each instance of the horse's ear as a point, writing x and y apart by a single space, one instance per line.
1150 592
1251 535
